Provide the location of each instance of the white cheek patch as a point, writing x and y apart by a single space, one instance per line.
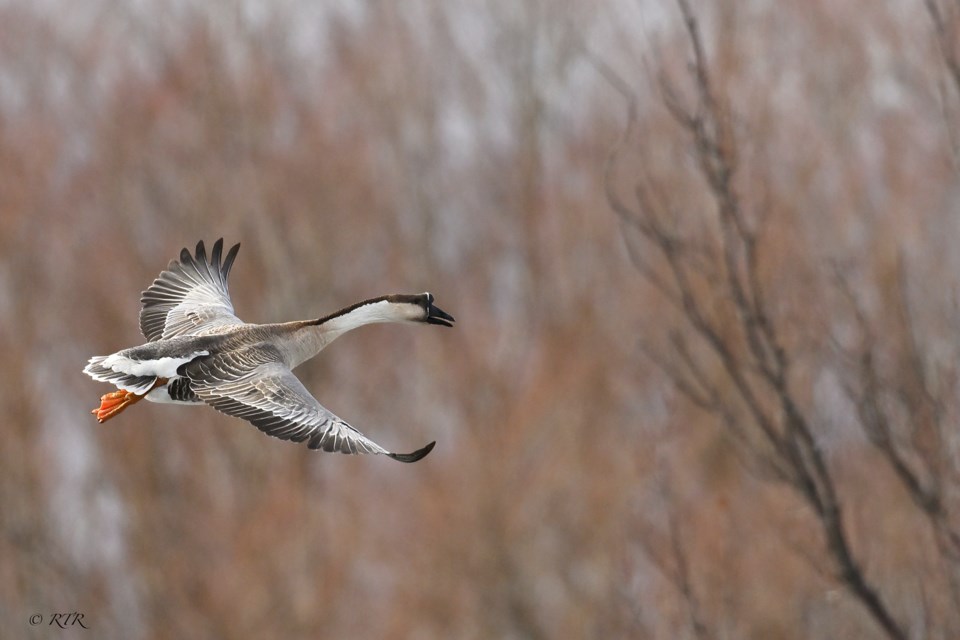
162 367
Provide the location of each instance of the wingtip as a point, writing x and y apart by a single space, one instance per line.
419 454
217 251
228 261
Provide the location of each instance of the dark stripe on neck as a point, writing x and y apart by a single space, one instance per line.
397 297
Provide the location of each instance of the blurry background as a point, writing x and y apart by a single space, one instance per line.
702 388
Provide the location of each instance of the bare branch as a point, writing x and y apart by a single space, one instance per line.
691 388
682 564
946 44
945 41
624 212
922 483
772 407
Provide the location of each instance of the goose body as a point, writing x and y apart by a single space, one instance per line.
199 353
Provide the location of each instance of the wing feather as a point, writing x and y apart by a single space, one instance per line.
191 296
126 381
254 385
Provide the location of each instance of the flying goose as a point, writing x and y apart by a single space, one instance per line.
198 351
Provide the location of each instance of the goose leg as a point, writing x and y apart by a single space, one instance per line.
114 402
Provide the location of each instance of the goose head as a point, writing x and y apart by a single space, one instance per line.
420 308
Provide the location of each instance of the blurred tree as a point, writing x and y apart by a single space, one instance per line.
741 351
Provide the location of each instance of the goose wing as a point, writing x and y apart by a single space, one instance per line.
191 296
255 385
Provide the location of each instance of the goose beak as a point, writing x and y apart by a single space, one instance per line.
436 315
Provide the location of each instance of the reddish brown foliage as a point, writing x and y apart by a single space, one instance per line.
724 409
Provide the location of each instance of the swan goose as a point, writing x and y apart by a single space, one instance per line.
199 352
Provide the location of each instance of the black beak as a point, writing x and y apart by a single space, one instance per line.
436 315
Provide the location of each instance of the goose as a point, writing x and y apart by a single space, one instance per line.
199 353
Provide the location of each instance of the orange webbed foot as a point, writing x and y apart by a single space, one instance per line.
116 401
113 403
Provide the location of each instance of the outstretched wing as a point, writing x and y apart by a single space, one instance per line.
190 297
254 385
